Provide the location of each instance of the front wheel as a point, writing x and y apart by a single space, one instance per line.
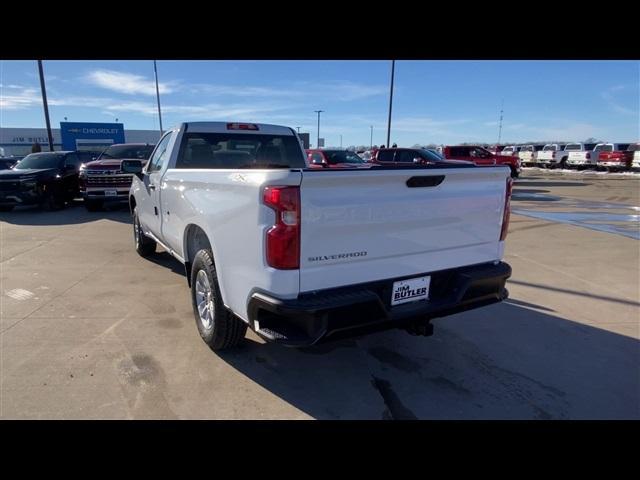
144 245
218 327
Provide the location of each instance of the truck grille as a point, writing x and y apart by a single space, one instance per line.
7 186
108 180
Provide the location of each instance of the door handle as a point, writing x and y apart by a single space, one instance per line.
152 186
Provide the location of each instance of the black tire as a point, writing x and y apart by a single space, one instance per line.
6 208
145 246
514 173
225 329
93 205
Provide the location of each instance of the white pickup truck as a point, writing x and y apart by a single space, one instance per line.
302 255
552 154
581 155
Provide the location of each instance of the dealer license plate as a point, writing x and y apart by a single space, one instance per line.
411 290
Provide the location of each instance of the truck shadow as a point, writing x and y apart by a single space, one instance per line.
506 361
75 213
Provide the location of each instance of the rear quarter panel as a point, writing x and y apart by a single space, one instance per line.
227 206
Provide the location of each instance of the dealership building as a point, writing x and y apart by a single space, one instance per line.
72 136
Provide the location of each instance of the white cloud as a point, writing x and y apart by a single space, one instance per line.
128 83
333 91
26 97
609 96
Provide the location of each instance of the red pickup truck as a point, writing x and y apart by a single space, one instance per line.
613 156
103 180
482 157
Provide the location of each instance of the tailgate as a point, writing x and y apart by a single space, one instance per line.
366 225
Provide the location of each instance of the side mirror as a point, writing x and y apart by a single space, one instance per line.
94 158
132 166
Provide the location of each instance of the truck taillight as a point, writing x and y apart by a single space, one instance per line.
283 238
588 155
553 154
507 210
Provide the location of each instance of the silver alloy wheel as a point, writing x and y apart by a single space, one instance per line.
204 300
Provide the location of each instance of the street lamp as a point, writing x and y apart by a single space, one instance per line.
340 141
371 141
393 68
318 138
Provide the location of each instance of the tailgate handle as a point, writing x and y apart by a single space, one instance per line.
425 181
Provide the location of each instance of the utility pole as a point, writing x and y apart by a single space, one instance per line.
393 68
318 138
371 140
155 71
298 129
500 129
46 105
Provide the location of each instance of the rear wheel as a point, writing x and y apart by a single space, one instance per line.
145 246
218 327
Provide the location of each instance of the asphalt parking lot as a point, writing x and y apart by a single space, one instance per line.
89 330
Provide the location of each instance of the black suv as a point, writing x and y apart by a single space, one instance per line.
49 179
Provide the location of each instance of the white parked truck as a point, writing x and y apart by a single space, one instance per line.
581 155
552 154
302 255
527 155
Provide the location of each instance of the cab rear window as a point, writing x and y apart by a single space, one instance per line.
237 150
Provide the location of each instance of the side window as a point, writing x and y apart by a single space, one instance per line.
160 155
406 156
385 156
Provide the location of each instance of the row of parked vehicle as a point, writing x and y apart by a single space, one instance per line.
601 156
476 154
53 179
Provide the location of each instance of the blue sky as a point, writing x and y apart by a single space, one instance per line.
434 101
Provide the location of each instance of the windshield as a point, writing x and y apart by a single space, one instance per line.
634 147
549 148
341 156
604 147
573 146
528 148
141 152
39 160
508 149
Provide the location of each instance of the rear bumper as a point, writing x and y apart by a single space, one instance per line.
348 311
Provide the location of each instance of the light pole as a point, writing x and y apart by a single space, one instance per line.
298 129
155 70
371 140
393 68
46 105
318 138
500 128
340 141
